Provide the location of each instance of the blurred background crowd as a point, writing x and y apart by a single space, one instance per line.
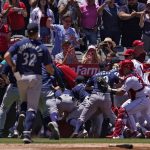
98 29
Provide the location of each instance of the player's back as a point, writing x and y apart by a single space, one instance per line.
30 56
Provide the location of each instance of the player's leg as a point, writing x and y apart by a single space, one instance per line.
130 109
33 95
89 109
96 125
11 95
53 115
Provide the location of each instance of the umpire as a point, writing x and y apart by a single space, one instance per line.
31 54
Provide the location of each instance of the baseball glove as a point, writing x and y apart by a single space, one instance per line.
102 84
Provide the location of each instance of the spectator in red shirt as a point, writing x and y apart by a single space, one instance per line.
4 36
15 16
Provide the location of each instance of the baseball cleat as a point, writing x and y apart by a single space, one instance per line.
82 134
13 134
27 140
20 123
27 137
74 135
147 134
54 129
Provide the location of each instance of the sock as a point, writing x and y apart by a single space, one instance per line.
54 116
29 120
78 125
73 122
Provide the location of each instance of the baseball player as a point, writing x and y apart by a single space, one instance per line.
11 95
130 54
31 54
134 86
78 90
100 98
48 105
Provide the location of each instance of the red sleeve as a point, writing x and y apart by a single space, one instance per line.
22 5
6 28
5 6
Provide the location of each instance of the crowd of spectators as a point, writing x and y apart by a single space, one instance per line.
102 25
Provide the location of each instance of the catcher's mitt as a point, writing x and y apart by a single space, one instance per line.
102 84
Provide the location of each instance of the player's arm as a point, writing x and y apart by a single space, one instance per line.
4 73
118 91
9 61
49 69
89 84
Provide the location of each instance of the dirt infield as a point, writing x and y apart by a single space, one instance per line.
68 147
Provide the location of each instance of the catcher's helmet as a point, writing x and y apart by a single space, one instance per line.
126 64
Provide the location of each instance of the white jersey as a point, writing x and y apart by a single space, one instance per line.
138 67
35 17
132 82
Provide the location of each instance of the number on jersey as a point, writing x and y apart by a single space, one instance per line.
29 59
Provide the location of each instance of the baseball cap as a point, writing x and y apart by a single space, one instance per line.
66 42
137 43
32 28
80 79
91 47
126 64
128 52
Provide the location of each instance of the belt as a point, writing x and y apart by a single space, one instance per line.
92 29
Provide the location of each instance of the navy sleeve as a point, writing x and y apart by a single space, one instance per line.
90 81
6 69
58 77
46 57
14 48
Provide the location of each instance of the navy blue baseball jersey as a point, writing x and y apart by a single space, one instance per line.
79 92
109 76
30 55
60 92
48 81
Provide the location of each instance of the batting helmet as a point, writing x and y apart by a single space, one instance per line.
126 64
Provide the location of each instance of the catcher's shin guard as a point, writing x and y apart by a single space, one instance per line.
120 123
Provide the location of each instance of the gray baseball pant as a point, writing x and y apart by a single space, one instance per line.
11 95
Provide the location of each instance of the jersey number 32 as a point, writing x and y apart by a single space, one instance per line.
29 59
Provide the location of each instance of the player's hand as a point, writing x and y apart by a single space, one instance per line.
13 68
133 14
143 13
16 9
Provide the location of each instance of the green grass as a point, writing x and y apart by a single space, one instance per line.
72 141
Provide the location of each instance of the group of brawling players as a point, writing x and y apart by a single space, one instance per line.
36 83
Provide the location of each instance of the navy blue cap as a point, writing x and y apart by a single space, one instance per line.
104 64
80 79
32 28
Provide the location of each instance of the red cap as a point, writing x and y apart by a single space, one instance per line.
137 43
129 52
